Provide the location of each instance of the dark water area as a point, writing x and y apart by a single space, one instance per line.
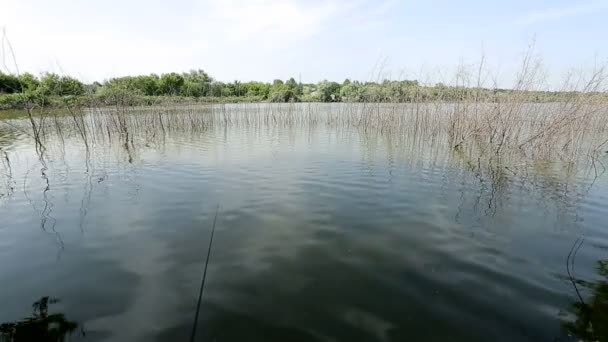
322 234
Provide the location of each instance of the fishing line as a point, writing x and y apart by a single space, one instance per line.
200 294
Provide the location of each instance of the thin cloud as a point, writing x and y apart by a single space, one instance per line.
559 13
263 20
268 39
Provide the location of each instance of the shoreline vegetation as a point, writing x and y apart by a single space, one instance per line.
470 83
484 123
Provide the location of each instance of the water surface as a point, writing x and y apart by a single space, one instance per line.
324 233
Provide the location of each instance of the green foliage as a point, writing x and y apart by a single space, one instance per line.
295 87
259 89
53 84
29 82
22 100
119 95
12 101
328 91
9 84
283 92
351 92
198 76
197 85
144 85
194 89
171 84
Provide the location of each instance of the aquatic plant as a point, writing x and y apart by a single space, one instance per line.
591 315
41 326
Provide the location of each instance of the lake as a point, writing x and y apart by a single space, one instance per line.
325 231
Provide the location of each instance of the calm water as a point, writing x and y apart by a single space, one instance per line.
323 234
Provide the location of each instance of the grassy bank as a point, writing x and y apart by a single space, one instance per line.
421 95
21 101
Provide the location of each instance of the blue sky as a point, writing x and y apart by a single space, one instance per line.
268 39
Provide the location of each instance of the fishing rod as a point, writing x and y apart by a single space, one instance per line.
200 294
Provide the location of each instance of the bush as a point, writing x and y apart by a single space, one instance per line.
12 101
53 84
21 101
9 84
119 96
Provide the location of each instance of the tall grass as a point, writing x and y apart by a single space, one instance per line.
7 186
493 140
470 117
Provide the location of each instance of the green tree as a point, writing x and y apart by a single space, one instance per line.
281 92
216 89
53 84
227 90
29 82
257 89
351 91
148 85
193 89
329 91
93 88
197 83
145 85
9 84
171 84
294 86
198 76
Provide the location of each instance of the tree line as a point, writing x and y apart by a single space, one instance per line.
197 84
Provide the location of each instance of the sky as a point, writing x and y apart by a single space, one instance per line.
310 40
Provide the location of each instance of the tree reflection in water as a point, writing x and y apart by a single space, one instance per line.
40 327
